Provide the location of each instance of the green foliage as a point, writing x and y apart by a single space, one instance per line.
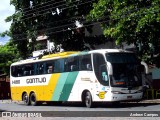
4 33
56 19
131 21
8 55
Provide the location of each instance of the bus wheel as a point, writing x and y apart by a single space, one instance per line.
25 99
33 99
88 100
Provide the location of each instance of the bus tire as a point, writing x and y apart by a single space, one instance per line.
88 100
33 99
25 99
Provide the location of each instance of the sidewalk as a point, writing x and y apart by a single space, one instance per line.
9 101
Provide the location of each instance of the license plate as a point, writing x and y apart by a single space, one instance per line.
129 97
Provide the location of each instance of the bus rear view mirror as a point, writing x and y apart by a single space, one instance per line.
110 68
144 68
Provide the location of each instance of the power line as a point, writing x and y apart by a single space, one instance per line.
76 28
75 17
43 6
66 25
57 7
85 25
66 29
57 27
51 28
73 23
47 12
40 4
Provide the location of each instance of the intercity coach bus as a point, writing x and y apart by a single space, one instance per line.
105 75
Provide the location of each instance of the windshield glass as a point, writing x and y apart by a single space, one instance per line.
126 70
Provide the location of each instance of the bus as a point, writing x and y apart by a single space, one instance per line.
104 75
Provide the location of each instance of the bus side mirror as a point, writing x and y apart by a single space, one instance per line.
110 68
146 70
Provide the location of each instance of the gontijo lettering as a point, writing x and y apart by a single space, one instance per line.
36 80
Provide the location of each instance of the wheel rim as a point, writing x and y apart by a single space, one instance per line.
87 100
25 98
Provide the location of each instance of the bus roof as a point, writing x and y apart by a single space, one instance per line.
61 54
107 50
66 54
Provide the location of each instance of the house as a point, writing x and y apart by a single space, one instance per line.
42 45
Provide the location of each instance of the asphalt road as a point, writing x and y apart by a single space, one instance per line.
70 111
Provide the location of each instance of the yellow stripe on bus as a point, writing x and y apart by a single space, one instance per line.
43 93
62 54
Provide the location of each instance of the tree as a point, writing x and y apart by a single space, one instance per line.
8 55
56 19
131 21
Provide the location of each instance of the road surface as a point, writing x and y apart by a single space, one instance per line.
69 111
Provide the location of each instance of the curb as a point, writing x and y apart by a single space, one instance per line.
9 101
150 101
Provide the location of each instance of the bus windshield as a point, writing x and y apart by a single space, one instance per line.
126 70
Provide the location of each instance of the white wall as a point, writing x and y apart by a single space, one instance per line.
97 30
156 73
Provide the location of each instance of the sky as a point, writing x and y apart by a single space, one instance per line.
5 10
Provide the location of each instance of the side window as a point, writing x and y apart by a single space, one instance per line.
72 64
14 71
28 69
22 70
98 60
49 67
85 63
19 71
35 68
58 66
40 68
100 68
